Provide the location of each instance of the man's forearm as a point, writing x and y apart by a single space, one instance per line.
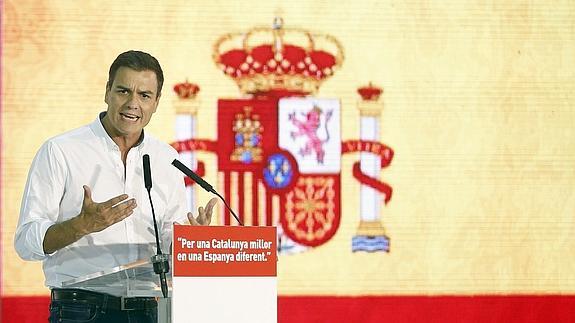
63 234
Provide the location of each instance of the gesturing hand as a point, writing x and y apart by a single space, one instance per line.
98 216
204 214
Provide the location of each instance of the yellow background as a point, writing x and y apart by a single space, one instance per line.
479 108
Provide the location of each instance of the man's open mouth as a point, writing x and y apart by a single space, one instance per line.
129 116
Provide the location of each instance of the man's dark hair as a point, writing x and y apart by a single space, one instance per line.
138 61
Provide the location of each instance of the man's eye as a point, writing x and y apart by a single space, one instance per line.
123 91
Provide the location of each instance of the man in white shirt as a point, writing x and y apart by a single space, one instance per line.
85 208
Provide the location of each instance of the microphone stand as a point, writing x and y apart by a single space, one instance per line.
160 260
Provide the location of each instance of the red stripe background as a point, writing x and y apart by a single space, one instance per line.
392 309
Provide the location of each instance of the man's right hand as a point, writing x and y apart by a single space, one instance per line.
95 217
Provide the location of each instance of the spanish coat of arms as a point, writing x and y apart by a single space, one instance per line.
279 148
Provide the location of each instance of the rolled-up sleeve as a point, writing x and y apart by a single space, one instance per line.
40 202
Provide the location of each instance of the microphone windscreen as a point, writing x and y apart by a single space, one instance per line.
195 177
147 172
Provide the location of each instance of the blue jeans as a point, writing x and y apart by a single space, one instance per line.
65 311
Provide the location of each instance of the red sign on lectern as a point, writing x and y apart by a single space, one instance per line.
224 251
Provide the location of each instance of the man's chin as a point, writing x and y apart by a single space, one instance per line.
130 131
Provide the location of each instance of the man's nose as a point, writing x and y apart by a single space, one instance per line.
133 101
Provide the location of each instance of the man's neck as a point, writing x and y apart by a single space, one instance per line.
124 142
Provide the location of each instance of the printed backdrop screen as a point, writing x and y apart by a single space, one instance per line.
417 157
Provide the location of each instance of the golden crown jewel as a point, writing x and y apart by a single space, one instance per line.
266 60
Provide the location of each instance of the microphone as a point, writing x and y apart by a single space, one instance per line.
190 173
160 261
147 172
184 169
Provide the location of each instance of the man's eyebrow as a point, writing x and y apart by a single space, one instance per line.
146 92
121 87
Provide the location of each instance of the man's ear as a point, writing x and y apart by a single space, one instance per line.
157 102
106 94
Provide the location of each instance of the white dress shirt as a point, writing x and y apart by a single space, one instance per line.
53 193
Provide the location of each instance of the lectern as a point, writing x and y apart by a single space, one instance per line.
224 274
219 274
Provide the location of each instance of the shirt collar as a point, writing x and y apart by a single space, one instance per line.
99 131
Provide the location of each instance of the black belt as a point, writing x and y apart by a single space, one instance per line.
104 301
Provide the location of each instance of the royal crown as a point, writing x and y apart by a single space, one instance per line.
186 90
267 60
370 92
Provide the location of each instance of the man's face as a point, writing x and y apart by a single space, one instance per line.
132 99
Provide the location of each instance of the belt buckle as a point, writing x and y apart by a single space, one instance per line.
123 304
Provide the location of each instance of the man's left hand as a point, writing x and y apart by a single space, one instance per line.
204 214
